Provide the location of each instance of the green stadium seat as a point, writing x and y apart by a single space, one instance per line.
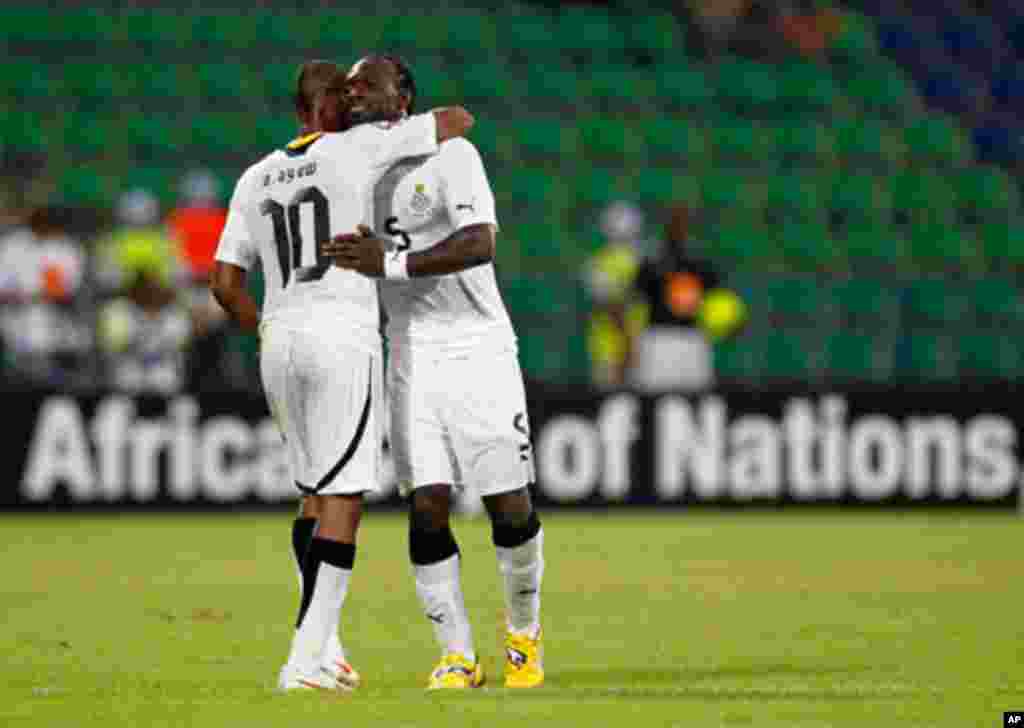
162 81
274 130
997 300
796 300
167 27
859 355
806 245
873 248
220 29
804 143
934 302
856 39
733 359
436 83
613 87
486 83
30 80
742 245
555 88
530 185
590 30
220 133
665 186
806 88
940 246
926 357
1003 244
683 87
732 194
598 186
867 302
989 355
791 354
859 199
937 140
797 196
155 135
421 31
921 197
20 131
867 142
160 180
470 30
489 141
530 30
229 80
738 141
610 138
985 193
547 138
655 33
88 135
45 24
890 94
745 85
677 140
85 185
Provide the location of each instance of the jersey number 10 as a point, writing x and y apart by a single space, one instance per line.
288 234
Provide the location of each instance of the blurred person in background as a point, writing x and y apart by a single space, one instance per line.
144 333
687 309
617 315
195 225
139 239
45 317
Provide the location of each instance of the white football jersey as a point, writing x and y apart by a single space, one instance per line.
418 203
292 200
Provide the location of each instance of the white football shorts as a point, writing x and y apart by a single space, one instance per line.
459 419
325 396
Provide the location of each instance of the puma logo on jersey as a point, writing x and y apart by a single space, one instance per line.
465 207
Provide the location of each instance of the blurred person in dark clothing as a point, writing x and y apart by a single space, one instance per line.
674 351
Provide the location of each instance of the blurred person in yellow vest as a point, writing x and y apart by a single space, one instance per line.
689 309
140 239
617 314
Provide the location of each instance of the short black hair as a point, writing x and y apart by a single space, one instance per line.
406 82
311 79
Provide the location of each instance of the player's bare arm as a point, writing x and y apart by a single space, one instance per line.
229 288
466 248
452 121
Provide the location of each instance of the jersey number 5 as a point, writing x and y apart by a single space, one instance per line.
288 233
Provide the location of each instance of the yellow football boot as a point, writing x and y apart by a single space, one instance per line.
454 671
524 660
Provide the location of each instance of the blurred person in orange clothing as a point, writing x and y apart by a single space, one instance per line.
196 223
44 318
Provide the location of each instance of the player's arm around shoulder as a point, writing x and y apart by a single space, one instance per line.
452 122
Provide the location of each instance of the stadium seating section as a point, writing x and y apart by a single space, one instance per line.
865 201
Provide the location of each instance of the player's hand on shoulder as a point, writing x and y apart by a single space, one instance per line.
361 251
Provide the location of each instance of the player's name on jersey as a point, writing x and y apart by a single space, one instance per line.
290 174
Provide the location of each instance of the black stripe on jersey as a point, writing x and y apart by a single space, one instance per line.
350 451
298 147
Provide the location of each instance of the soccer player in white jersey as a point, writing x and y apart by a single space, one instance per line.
320 353
458 407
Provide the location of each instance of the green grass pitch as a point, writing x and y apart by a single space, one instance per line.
762 619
